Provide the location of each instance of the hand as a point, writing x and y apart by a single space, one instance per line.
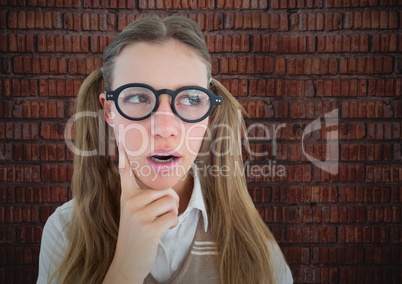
145 214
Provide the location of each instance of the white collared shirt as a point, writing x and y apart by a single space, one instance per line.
175 243
172 248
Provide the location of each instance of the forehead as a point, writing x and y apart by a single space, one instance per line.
161 65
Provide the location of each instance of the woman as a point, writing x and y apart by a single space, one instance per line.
159 218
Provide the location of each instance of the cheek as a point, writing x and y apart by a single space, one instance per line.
133 135
194 137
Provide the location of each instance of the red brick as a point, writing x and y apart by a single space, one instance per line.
256 21
56 173
69 23
273 44
25 173
302 21
52 131
311 21
269 74
274 4
236 87
383 20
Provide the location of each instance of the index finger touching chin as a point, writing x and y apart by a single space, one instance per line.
127 176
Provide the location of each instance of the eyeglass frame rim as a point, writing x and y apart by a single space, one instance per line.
114 95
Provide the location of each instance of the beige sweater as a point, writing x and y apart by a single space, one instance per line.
199 265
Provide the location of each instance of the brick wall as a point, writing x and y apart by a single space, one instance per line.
288 62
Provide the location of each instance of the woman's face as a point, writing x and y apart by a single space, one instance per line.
162 148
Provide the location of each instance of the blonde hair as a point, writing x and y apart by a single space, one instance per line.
242 237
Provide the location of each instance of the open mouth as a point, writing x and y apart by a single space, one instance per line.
162 158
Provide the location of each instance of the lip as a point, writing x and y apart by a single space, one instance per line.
164 167
163 151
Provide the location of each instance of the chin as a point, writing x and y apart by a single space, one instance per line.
161 182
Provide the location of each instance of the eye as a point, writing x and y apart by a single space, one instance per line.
137 99
136 96
190 100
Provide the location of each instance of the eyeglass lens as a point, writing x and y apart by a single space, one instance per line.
137 102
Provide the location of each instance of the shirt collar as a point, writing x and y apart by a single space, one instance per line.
197 198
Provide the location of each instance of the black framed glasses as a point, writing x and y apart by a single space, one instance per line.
138 101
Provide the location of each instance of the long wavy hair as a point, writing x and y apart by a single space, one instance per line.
242 237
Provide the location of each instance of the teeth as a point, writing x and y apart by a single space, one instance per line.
163 160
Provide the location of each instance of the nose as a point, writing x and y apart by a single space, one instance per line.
164 122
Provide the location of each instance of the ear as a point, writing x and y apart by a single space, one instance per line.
107 108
